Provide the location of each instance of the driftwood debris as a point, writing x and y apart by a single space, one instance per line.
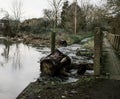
55 64
89 66
62 43
82 67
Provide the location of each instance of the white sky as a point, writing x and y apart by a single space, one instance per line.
31 8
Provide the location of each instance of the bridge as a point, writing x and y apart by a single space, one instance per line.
107 54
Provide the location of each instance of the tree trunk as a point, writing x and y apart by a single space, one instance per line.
55 64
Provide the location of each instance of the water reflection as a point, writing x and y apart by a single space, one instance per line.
17 58
6 50
18 67
16 61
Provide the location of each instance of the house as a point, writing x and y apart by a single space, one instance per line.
3 23
4 16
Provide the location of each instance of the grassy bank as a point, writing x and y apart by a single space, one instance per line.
71 38
44 38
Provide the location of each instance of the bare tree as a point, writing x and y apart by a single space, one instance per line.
17 9
48 14
56 8
94 14
114 15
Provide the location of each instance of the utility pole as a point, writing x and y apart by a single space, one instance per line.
75 18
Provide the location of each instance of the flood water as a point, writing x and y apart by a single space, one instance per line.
19 65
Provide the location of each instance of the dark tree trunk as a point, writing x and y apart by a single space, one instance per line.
55 64
89 66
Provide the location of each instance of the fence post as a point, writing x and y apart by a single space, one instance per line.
52 41
98 49
118 43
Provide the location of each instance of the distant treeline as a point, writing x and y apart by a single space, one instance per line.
87 16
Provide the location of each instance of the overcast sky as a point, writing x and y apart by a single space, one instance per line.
32 8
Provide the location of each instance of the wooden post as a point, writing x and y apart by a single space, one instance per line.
52 41
115 41
118 43
97 47
112 36
75 19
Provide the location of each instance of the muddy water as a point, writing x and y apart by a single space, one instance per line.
19 65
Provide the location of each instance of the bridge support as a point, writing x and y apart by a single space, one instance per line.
98 38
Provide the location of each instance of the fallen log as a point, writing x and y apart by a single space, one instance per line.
82 67
85 53
89 66
55 64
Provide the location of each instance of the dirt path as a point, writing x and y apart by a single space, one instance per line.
83 89
112 62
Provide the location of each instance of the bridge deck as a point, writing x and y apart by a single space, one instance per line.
112 62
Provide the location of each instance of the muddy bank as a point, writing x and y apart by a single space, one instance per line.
84 88
30 39
44 39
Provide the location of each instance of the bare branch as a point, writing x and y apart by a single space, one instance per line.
17 7
56 8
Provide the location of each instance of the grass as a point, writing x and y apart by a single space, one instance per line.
71 38
89 44
78 38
